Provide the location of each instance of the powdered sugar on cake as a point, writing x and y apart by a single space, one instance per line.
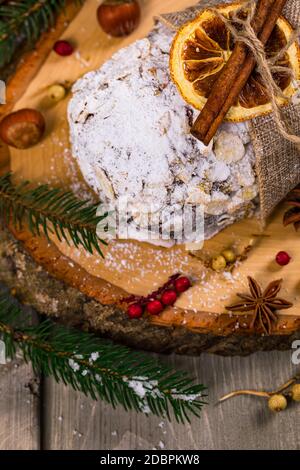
130 133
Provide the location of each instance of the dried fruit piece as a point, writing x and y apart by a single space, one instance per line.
201 49
229 147
105 183
22 129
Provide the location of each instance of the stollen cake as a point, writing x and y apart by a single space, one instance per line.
130 134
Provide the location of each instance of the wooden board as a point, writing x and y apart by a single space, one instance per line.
73 421
19 407
135 267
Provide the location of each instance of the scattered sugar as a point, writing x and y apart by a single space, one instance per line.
83 62
94 356
74 365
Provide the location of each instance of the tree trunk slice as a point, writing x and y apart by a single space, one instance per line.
199 321
64 301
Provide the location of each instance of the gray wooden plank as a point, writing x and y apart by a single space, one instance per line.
73 421
19 407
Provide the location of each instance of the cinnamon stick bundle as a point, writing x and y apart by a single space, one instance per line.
236 73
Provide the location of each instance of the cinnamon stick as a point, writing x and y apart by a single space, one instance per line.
246 71
230 72
239 68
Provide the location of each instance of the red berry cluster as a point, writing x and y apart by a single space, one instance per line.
156 302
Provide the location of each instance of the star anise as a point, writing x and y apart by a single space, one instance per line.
292 215
263 304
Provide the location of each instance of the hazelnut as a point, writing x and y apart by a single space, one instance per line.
277 403
22 129
118 18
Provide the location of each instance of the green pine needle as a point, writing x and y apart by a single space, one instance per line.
96 367
25 20
99 368
46 210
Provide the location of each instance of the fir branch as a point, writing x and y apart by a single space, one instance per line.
99 368
51 210
25 20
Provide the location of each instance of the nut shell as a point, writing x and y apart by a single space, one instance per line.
22 129
119 18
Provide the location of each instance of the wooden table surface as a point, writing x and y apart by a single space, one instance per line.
39 414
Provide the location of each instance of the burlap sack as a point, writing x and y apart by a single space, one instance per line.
277 160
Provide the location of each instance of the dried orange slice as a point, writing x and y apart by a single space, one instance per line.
202 47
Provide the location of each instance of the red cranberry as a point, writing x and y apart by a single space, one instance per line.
63 48
283 258
154 307
182 284
169 297
135 311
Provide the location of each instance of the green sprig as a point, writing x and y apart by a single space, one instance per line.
99 368
24 20
46 210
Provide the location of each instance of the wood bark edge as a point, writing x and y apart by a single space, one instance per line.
48 295
50 258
